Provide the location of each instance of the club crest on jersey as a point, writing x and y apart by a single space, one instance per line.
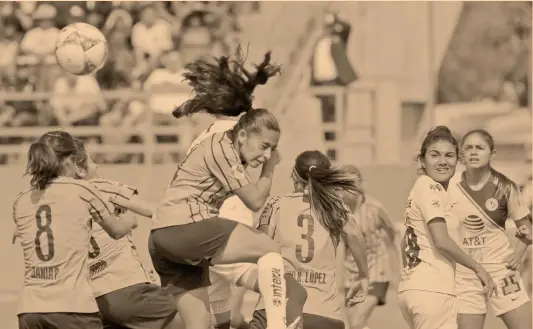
238 171
491 204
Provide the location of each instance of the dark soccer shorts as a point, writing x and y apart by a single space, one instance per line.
140 306
60 320
181 254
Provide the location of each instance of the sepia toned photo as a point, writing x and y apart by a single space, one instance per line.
266 164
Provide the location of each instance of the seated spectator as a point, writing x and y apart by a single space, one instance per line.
124 113
168 90
9 47
150 37
76 14
119 20
40 41
117 71
77 100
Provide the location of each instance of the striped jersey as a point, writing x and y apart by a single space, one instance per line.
482 215
114 264
207 176
55 228
308 251
372 218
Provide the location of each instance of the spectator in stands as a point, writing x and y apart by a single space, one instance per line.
150 37
117 71
119 20
168 90
75 14
77 100
40 41
9 48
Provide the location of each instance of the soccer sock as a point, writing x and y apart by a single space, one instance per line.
296 297
273 289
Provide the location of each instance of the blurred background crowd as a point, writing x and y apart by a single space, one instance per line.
149 44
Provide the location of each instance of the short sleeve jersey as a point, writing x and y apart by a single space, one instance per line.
482 215
369 218
425 268
208 175
114 264
55 227
308 251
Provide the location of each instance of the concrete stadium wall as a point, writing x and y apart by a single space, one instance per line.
391 184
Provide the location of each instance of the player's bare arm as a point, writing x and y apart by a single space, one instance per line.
445 244
135 204
255 195
115 227
523 232
353 236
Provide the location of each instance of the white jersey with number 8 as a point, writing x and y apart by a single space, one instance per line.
425 268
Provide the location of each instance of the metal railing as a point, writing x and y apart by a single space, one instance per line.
147 130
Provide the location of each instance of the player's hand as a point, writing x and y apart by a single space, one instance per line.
523 233
357 292
512 262
16 234
275 158
489 285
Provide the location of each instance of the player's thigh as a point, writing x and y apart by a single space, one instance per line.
193 308
60 320
426 310
140 306
518 318
193 242
178 273
245 244
471 298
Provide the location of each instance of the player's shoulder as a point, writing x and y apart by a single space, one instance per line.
425 184
25 193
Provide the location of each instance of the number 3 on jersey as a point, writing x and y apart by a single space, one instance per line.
307 223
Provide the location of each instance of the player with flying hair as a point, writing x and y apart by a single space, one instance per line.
483 200
123 288
309 225
53 223
381 251
188 234
226 292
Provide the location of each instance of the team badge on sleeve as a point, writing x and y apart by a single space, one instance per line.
491 204
238 171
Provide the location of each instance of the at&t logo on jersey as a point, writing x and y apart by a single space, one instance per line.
473 223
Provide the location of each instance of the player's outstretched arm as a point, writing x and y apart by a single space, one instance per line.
135 204
115 227
355 241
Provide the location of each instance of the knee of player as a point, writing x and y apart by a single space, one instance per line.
295 290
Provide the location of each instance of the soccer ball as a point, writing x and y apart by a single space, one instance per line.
81 49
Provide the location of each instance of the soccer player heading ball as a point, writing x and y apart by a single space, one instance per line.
188 233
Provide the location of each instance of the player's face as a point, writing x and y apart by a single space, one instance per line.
476 152
257 148
440 161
